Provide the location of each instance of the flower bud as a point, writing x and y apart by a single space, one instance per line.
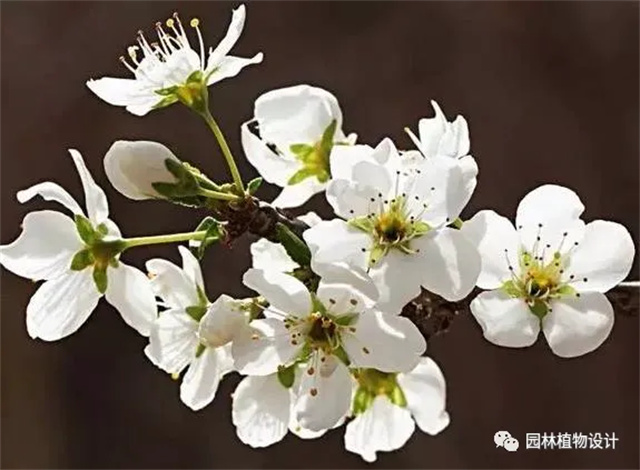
134 166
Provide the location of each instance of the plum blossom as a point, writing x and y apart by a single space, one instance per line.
388 406
329 331
297 129
395 210
192 332
172 70
550 273
78 258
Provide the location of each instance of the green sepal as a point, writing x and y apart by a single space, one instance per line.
345 320
202 297
114 263
305 353
287 375
396 396
195 77
164 102
100 278
310 279
81 260
565 291
186 183
85 229
301 175
196 312
253 185
214 232
539 308
317 306
419 228
102 229
327 136
301 150
376 254
511 289
200 350
362 400
341 354
362 223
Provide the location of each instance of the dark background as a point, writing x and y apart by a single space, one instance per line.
550 91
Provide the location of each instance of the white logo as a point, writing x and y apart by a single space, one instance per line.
506 440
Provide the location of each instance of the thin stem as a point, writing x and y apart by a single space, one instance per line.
218 195
203 179
213 125
157 239
629 284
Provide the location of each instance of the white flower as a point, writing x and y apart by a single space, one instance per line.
386 406
303 123
551 273
133 167
166 69
442 139
263 410
397 209
326 330
78 262
192 332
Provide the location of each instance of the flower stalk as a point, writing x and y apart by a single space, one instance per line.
158 239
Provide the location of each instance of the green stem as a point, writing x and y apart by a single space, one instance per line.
157 239
218 195
213 125
295 248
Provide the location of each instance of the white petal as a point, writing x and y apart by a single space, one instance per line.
335 241
121 91
172 284
173 341
260 410
142 107
310 218
397 277
60 306
505 321
578 325
325 396
50 192
274 168
191 267
349 199
95 199
200 383
44 249
425 391
451 263
260 349
498 244
133 166
231 66
283 292
294 195
231 37
130 292
604 257
222 322
382 427
341 285
269 255
431 131
388 343
344 157
302 433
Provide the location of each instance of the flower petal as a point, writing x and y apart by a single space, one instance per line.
294 195
95 199
382 427
269 255
172 284
173 341
283 292
131 294
44 249
349 199
334 241
451 263
578 325
200 383
275 168
133 166
261 348
498 244
425 391
120 91
397 277
231 66
50 192
603 258
388 343
344 157
344 288
505 321
260 410
222 322
324 397
191 267
231 37
60 306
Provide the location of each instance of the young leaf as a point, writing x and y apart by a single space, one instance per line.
253 185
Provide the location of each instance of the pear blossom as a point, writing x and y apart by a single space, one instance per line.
395 210
388 406
78 260
550 272
192 332
329 331
298 128
439 138
172 70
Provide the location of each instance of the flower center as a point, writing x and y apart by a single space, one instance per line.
322 332
314 158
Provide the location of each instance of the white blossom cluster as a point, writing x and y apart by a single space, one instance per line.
322 342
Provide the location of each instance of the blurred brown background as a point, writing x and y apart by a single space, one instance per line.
550 91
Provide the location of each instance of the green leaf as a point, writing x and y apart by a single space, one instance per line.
85 229
362 400
214 232
362 223
293 245
301 150
301 175
196 312
511 288
82 259
100 278
346 319
287 375
253 185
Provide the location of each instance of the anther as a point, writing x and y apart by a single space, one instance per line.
311 371
355 302
365 350
313 392
194 23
